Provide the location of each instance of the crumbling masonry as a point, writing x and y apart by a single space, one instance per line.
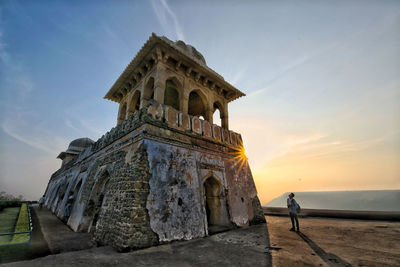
165 172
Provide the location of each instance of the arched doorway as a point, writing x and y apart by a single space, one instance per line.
215 205
97 199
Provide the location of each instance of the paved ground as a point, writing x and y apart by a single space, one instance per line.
60 238
321 242
334 242
241 247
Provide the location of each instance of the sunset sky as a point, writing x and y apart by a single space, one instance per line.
322 80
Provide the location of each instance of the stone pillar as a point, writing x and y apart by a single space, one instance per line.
224 118
159 84
141 90
184 101
209 114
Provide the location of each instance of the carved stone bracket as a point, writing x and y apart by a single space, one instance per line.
178 65
188 71
165 58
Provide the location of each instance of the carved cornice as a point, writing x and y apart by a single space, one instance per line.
160 49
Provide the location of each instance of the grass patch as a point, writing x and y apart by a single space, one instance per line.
8 218
22 225
16 245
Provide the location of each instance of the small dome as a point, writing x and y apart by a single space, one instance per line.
191 51
81 142
76 147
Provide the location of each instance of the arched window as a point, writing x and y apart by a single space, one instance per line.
217 114
122 114
134 105
196 105
171 95
148 92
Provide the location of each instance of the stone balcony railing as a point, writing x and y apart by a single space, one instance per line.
192 124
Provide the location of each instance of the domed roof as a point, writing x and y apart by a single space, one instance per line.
81 142
191 51
77 146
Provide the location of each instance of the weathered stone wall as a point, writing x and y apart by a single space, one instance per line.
123 220
174 202
143 182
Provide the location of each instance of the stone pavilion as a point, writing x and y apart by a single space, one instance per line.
166 171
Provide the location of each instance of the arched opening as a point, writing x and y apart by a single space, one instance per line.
97 199
54 197
78 187
196 106
134 105
218 114
217 117
122 113
61 193
215 204
171 94
148 92
75 193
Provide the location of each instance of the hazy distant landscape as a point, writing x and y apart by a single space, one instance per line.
368 200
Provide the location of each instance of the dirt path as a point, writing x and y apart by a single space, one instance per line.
334 242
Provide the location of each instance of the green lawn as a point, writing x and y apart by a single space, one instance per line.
22 226
8 219
14 220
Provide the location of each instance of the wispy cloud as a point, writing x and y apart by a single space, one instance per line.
13 73
9 128
167 18
4 56
238 76
291 66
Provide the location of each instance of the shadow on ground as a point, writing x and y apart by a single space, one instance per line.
328 258
240 247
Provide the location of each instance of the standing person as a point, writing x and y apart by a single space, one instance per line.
293 208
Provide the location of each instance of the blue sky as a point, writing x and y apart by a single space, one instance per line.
322 80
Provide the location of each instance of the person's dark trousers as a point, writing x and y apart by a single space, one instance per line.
293 217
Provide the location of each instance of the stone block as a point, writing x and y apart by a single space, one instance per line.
206 127
171 117
155 110
232 136
184 121
225 136
196 125
217 132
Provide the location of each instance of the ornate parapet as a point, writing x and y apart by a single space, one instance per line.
192 125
